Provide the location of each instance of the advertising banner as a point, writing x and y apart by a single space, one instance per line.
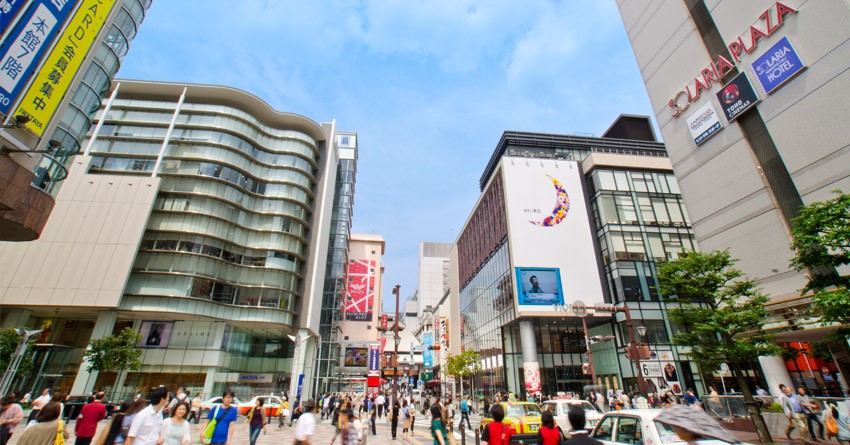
374 359
704 123
737 97
196 335
8 12
62 64
531 371
777 65
360 291
427 353
355 356
25 45
155 334
551 240
444 339
661 376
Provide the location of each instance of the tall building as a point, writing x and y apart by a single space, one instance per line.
749 98
201 218
361 311
564 220
59 58
431 285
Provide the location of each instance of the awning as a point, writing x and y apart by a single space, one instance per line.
435 382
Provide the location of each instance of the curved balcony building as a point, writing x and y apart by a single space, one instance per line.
215 210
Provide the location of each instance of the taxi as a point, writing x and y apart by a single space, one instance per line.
525 417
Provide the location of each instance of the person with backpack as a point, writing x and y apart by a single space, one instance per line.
218 427
496 432
464 413
405 416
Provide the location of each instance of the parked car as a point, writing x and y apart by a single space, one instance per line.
209 404
638 427
271 404
524 416
561 407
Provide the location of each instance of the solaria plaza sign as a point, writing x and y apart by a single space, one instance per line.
770 20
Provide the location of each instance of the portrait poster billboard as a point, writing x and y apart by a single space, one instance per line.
356 356
549 235
360 290
156 334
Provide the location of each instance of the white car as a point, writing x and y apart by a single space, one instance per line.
209 404
638 427
561 407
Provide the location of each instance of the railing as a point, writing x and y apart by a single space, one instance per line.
48 172
726 407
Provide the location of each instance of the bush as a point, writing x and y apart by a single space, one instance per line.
775 408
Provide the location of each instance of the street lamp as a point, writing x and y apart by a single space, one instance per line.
12 369
397 340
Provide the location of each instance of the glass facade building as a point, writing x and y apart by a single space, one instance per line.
637 217
222 215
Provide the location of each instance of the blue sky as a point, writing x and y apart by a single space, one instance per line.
428 85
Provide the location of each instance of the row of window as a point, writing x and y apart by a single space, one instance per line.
634 181
610 208
273 259
617 245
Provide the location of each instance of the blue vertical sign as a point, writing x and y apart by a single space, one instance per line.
427 354
300 384
24 47
374 360
9 9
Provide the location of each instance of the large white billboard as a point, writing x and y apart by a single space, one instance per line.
550 238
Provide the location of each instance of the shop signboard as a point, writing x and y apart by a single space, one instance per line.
704 123
777 65
427 353
737 97
374 359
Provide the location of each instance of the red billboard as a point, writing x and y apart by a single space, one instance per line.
360 290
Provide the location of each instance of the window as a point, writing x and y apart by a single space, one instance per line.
605 428
628 431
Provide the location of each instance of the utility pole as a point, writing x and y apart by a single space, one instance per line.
396 340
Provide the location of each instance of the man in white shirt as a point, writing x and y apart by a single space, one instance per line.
39 403
147 424
306 425
380 401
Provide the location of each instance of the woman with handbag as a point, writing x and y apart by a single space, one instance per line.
257 419
49 429
497 433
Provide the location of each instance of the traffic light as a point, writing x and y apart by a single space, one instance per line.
434 348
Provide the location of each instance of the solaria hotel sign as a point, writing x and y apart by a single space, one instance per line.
769 21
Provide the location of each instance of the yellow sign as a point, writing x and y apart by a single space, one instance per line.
61 66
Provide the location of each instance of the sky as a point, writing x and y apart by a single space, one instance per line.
429 86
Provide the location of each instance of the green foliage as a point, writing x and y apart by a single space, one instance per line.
722 310
9 341
464 364
822 244
115 353
775 407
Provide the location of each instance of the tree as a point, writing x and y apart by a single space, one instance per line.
115 353
723 312
464 364
822 243
9 341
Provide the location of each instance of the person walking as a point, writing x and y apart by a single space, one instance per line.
48 428
393 415
579 435
413 414
464 413
350 435
195 410
225 416
256 420
180 397
380 401
842 420
12 415
90 415
405 418
146 426
810 410
549 434
120 426
438 428
175 429
306 425
794 412
373 415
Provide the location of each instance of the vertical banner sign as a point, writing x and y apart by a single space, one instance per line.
531 371
385 321
62 64
427 354
444 339
24 47
360 291
300 385
374 360
9 9
411 353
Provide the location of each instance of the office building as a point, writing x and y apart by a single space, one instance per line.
750 98
564 220
201 218
49 93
